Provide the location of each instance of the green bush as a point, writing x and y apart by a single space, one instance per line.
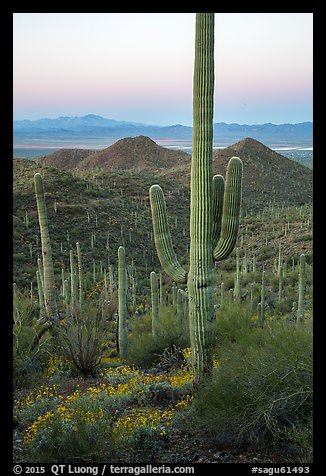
262 389
82 440
142 445
144 351
29 355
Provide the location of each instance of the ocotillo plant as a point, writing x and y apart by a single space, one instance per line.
122 303
155 298
50 300
214 209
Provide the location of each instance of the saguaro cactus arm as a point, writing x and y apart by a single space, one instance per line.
231 210
218 196
162 236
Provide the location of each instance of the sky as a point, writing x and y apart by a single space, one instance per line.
139 66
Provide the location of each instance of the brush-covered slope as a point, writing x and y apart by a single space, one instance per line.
65 159
135 153
267 175
103 208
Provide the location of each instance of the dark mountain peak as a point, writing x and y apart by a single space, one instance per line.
248 144
138 141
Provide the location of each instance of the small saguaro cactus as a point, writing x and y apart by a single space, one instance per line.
122 303
73 284
222 294
261 315
214 210
237 284
80 276
181 296
50 299
302 288
155 299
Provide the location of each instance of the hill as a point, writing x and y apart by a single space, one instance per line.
65 159
135 153
104 208
268 175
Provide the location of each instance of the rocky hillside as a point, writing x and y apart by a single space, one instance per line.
267 175
65 159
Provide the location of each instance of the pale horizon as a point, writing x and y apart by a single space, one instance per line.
138 67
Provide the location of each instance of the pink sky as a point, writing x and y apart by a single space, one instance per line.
138 66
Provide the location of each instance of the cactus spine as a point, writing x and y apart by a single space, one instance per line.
214 209
155 298
122 303
49 291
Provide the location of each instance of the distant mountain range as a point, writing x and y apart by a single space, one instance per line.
93 126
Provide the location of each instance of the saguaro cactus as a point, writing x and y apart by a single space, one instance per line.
261 314
80 277
214 209
49 291
155 299
237 285
73 284
122 303
302 288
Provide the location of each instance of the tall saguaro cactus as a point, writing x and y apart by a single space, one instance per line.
50 301
122 303
214 209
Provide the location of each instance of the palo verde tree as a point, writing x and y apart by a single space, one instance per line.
214 210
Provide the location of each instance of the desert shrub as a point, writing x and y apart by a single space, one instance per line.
160 393
76 435
145 351
29 354
77 427
142 444
262 390
81 339
171 359
232 321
